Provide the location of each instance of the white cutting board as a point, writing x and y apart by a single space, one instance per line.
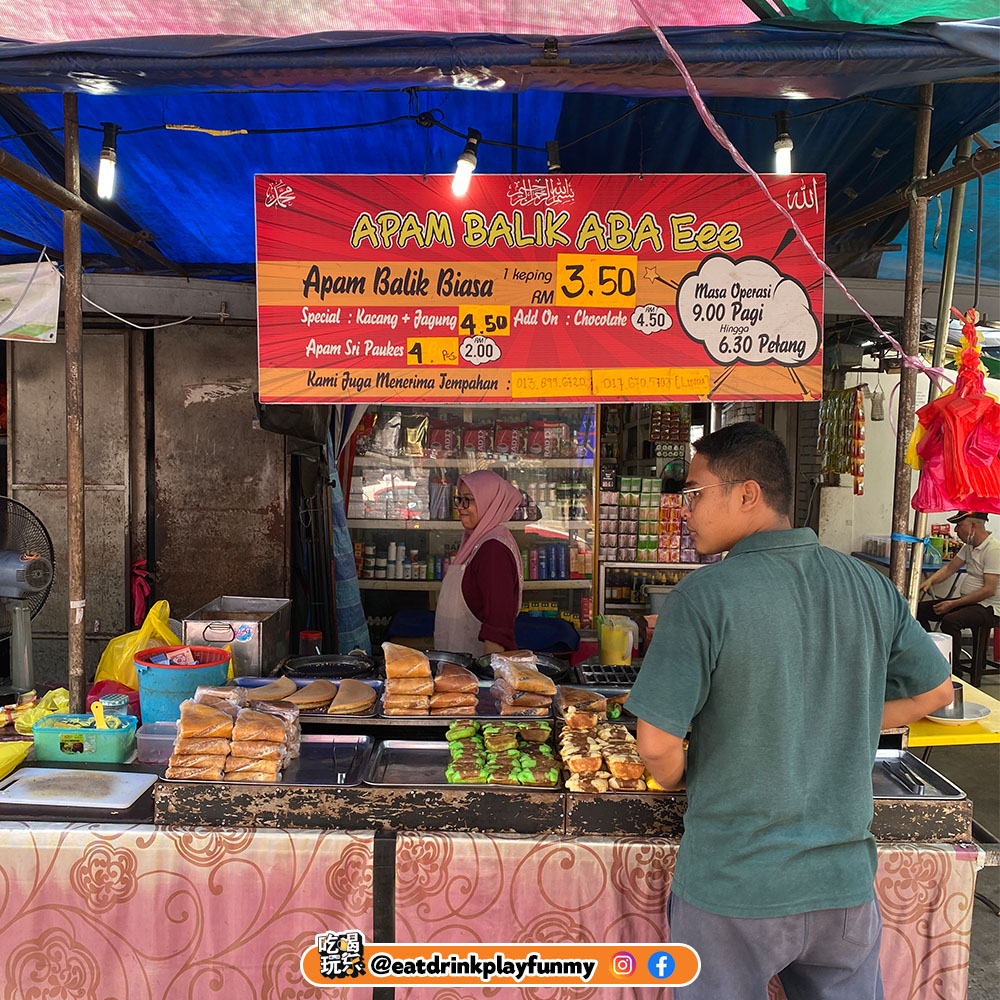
44 786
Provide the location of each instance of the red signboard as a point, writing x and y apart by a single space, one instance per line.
559 288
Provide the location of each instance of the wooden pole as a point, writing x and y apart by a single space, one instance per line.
42 186
911 343
73 326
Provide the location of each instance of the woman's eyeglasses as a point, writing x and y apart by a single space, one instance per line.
462 502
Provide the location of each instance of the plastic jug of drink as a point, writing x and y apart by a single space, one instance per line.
617 635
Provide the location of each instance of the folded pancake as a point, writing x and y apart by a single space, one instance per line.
211 745
411 704
314 696
402 661
462 729
353 698
522 678
627 784
503 692
195 773
203 720
589 701
454 710
409 685
535 732
576 718
197 760
452 677
253 725
545 777
260 777
615 733
624 765
587 783
275 691
257 749
235 694
506 709
451 699
259 764
580 763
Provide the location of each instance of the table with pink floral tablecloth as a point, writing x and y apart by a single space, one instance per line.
93 911
474 887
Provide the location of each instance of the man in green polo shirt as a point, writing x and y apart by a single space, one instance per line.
785 660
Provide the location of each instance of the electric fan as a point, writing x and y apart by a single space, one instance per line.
25 580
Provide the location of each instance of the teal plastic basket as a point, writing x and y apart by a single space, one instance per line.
81 741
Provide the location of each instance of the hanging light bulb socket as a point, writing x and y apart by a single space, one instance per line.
783 145
108 161
552 155
466 164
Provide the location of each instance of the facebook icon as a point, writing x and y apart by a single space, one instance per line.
661 964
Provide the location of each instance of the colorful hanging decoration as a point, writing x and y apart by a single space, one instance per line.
957 437
842 434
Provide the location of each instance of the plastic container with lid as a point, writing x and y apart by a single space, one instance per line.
69 737
155 742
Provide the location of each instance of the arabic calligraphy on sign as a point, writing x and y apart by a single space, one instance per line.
541 191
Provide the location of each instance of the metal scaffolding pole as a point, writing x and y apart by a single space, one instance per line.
73 327
911 344
948 268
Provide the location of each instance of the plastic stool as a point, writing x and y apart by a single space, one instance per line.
980 665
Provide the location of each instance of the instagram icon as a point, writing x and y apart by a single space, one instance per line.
623 963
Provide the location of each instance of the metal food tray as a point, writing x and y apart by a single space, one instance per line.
617 676
905 779
421 764
324 759
488 709
301 682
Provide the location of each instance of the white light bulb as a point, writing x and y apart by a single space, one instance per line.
463 175
783 157
106 174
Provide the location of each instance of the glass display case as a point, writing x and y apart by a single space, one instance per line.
401 504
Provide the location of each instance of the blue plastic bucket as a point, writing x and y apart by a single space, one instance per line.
163 686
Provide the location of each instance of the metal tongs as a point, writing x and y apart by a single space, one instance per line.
341 776
901 773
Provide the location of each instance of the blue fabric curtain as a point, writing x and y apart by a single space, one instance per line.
352 626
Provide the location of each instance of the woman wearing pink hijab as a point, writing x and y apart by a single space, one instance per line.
481 593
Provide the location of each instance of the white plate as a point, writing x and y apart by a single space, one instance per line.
971 713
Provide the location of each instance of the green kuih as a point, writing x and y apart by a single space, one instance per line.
462 777
537 776
462 729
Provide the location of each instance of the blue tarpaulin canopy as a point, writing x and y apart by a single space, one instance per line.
614 102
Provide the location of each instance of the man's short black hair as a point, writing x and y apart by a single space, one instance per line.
750 451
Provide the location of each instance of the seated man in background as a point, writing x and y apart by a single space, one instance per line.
978 602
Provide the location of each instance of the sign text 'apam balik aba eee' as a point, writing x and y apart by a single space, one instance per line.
562 288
